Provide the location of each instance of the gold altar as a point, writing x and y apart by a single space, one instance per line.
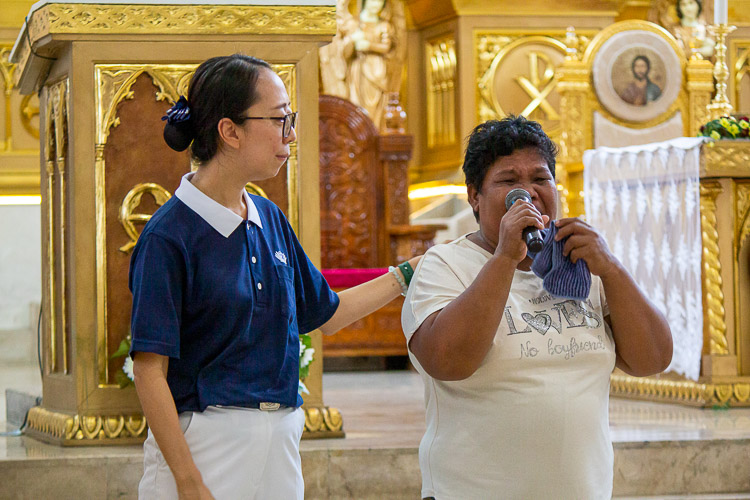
106 73
725 168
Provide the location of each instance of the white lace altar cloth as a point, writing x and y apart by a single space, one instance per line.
645 201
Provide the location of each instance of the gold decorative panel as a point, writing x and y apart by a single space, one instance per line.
740 71
19 134
441 92
183 19
517 74
742 214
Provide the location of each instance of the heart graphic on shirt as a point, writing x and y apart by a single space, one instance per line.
541 322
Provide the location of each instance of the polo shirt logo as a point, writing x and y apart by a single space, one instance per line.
280 255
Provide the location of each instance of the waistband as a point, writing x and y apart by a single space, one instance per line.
263 406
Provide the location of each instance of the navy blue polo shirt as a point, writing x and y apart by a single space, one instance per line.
225 299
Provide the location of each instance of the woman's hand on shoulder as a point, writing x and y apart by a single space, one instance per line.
585 242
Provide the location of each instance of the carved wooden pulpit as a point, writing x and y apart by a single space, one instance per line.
106 74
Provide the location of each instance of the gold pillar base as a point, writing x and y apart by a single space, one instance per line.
65 429
323 422
719 365
718 392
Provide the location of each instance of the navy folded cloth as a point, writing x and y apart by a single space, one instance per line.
560 277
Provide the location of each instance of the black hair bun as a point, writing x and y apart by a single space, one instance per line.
178 136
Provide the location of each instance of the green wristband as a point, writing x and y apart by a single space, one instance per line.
407 271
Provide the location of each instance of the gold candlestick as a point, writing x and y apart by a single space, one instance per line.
720 105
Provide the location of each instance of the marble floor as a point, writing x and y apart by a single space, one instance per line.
377 404
20 377
384 422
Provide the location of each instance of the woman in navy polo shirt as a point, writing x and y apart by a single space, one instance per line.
221 291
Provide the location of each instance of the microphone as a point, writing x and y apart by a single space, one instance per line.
531 235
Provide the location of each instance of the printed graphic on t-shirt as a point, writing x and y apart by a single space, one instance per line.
557 327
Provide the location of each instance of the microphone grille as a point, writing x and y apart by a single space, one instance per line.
515 195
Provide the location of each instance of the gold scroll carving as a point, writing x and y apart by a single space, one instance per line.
66 429
183 19
730 159
29 110
128 217
323 422
683 392
72 430
713 297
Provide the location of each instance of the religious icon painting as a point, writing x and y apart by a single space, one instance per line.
637 75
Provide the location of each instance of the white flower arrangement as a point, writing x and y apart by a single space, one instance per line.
306 353
127 367
125 376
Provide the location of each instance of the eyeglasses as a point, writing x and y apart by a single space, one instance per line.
288 122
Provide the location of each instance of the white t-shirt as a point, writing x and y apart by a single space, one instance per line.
532 421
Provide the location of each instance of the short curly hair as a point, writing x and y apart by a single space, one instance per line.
495 138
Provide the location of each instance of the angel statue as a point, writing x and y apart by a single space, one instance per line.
686 20
363 62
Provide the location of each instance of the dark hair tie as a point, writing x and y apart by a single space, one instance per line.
178 113
178 132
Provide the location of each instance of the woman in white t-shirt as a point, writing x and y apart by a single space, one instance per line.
517 379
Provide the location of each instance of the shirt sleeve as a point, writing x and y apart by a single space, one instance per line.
157 281
602 297
316 302
433 286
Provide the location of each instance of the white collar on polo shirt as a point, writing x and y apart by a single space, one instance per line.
217 215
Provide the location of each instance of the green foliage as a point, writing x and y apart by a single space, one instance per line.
727 127
123 351
304 368
123 380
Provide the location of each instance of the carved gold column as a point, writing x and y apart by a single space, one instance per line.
574 88
716 358
700 87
